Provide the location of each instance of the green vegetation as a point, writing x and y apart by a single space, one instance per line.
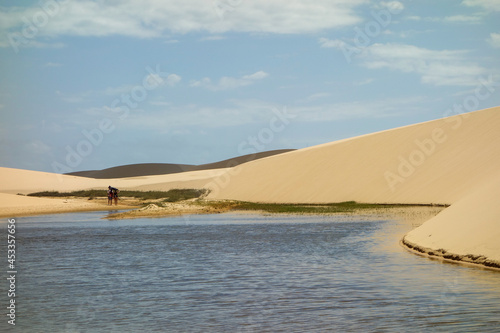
82 194
176 195
173 195
342 207
184 194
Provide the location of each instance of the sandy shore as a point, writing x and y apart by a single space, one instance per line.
165 209
12 206
468 231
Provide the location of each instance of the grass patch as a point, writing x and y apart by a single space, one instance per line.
173 195
184 194
176 195
81 194
342 207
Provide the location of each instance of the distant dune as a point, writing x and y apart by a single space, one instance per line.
150 169
453 160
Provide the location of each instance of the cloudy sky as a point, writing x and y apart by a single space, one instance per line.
95 84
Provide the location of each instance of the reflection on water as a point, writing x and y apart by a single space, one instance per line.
239 273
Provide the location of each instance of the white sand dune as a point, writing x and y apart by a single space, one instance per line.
434 162
454 160
470 226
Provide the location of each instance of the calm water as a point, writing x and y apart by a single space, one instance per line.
238 273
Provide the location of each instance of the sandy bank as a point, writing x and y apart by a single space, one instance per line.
12 206
165 209
468 231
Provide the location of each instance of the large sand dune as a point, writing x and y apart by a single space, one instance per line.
434 162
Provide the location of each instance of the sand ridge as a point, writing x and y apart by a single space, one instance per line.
438 162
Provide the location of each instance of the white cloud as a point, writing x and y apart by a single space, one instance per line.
364 82
245 112
155 18
74 98
117 91
317 96
172 117
493 5
331 43
29 43
414 18
212 38
392 6
227 83
256 76
353 110
434 67
460 19
37 147
411 33
440 68
152 79
314 97
471 19
172 79
494 39
160 103
52 64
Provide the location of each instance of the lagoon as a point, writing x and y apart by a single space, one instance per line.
239 273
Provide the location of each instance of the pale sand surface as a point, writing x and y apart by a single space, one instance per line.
454 161
14 181
12 206
470 227
467 156
165 209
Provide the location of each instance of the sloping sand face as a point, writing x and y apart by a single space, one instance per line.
434 162
469 230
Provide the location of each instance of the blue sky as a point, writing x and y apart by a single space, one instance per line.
95 84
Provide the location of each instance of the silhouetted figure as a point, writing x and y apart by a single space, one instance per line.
113 194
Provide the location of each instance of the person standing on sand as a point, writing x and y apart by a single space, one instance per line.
110 196
114 195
